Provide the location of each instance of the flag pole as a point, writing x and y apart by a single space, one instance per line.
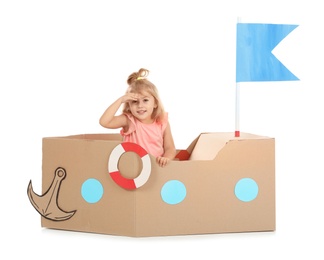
237 110
237 99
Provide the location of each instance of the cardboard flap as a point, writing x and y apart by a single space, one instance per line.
209 144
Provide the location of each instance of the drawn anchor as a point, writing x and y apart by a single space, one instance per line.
47 204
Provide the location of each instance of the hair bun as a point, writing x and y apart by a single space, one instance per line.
141 74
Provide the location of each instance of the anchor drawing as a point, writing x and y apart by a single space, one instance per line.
47 204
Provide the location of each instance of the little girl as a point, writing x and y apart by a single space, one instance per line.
143 120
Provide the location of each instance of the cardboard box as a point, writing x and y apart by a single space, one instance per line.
219 184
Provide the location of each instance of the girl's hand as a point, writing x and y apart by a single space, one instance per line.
129 97
162 161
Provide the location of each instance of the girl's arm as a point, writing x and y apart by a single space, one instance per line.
108 118
169 148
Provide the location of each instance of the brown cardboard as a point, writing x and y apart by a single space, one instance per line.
209 176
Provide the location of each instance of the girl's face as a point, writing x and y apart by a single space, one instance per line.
143 107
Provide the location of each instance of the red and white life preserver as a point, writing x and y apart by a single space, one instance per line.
141 179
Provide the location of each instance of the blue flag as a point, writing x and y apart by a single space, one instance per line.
254 58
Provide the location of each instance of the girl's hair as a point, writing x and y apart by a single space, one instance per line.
138 83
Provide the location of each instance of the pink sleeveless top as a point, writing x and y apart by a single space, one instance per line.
149 136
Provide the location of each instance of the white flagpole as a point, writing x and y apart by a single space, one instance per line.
237 100
237 110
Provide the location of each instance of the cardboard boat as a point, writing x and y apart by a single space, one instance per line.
219 184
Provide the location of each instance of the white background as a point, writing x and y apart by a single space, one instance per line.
63 62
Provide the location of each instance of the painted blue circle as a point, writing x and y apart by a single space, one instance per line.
92 190
246 189
173 192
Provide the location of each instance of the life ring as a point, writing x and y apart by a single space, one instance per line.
141 179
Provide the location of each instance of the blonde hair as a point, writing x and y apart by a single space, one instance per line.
138 83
